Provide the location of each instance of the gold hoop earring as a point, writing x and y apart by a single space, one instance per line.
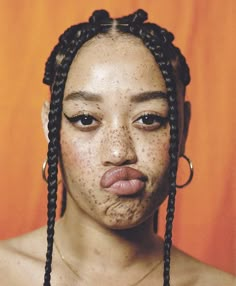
190 175
44 167
45 162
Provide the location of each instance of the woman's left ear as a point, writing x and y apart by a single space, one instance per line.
44 118
186 121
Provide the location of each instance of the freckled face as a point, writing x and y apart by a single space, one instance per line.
115 115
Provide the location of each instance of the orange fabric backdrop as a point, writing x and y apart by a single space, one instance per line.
205 214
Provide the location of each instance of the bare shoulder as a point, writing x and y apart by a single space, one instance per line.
22 259
195 273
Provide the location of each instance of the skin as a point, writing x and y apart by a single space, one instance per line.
109 239
118 137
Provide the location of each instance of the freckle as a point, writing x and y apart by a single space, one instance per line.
97 251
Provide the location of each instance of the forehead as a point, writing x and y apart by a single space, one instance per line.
114 63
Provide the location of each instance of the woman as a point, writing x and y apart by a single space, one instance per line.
116 125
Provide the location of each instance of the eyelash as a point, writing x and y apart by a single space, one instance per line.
78 118
157 121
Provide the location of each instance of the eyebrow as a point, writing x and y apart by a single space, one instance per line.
140 97
148 95
85 95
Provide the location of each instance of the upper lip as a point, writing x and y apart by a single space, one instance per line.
116 174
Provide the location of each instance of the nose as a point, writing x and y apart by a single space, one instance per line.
118 148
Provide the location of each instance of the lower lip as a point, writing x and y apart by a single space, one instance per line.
126 187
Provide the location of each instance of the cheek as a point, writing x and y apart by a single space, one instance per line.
154 149
78 164
71 152
77 156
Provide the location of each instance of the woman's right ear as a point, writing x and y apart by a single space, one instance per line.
44 118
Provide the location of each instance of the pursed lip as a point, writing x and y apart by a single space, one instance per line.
118 174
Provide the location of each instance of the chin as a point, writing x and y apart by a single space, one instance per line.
125 221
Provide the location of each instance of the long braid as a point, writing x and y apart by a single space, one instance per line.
159 42
166 69
53 150
57 91
59 50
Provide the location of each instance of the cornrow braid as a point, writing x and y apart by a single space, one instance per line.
57 91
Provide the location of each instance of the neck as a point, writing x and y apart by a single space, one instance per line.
81 238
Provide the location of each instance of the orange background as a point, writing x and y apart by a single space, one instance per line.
205 222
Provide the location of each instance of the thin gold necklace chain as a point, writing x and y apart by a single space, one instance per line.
76 273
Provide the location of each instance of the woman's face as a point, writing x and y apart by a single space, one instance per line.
115 133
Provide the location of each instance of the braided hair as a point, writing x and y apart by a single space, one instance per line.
172 65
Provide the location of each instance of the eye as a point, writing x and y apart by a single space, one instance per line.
83 121
150 121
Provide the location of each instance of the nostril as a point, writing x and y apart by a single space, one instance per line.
129 162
